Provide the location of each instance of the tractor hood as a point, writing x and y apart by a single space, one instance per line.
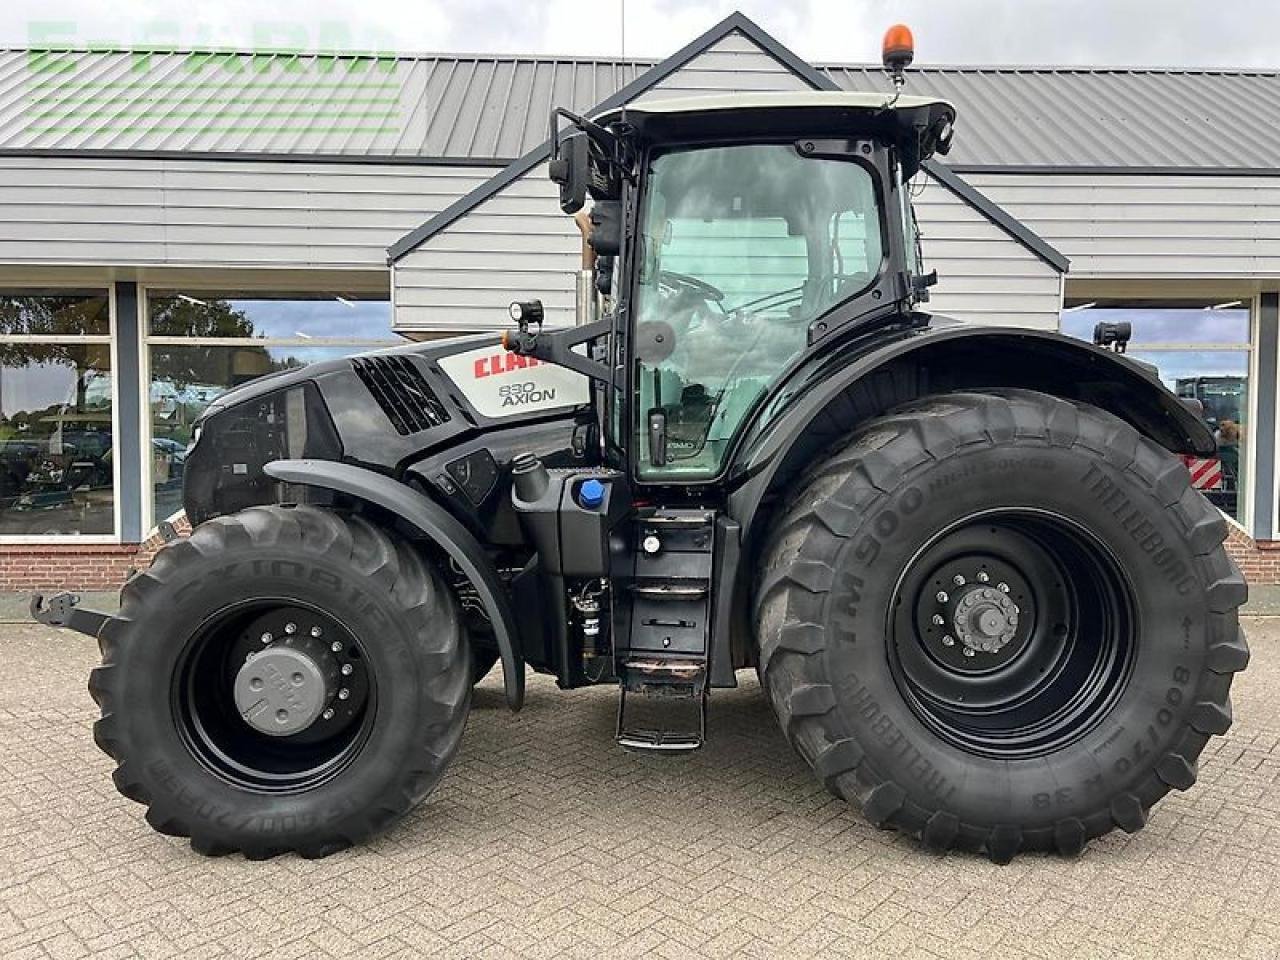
918 126
380 410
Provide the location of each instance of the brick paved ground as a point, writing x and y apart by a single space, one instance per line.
545 840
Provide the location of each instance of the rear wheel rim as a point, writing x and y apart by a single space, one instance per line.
1012 633
212 677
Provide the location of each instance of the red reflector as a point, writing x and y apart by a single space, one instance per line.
1205 474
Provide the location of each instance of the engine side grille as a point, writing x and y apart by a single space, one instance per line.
402 392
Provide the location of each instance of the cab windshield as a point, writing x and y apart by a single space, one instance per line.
740 249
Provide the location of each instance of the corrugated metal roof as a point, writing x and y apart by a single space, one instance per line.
482 109
1114 117
478 108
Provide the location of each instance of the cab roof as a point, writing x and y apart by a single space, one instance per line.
789 100
917 126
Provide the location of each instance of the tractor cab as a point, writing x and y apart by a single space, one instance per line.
733 242
733 238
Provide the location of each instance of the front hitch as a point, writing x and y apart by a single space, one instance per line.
63 610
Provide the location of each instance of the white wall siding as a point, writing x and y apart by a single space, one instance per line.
518 245
1157 226
984 275
213 213
734 65
515 246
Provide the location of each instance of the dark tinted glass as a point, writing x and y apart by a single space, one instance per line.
56 450
185 380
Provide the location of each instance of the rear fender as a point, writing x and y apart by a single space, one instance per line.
944 359
437 525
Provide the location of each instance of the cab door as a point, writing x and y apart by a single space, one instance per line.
739 249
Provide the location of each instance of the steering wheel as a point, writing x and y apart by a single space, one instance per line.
687 284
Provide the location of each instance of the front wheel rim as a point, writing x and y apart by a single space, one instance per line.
1012 633
208 696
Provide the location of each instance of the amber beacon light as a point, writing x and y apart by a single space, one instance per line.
898 50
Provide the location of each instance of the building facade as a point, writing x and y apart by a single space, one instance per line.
173 223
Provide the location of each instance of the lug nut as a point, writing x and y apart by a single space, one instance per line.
328 714
316 631
344 693
346 669
336 647
968 651
983 577
948 641
1002 587
941 596
939 619
958 580
266 638
290 628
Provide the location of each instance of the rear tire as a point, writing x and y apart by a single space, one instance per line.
1029 719
378 626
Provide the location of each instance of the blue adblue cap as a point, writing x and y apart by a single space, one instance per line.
591 494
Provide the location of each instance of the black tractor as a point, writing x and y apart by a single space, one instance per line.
966 563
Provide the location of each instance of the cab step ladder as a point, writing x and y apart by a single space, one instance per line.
664 658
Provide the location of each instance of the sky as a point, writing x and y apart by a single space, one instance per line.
1241 33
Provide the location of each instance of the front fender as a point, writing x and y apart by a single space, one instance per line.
437 525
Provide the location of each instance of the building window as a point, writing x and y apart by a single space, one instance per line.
201 344
1202 352
57 474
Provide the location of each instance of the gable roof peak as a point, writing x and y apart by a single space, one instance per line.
736 22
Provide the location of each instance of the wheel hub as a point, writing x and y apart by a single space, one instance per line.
281 691
1016 634
976 612
985 619
274 695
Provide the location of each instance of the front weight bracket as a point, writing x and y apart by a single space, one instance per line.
63 610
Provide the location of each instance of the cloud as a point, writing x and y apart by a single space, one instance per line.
1090 32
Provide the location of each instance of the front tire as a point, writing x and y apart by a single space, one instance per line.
285 679
1000 622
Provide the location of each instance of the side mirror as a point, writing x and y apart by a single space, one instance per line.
570 169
